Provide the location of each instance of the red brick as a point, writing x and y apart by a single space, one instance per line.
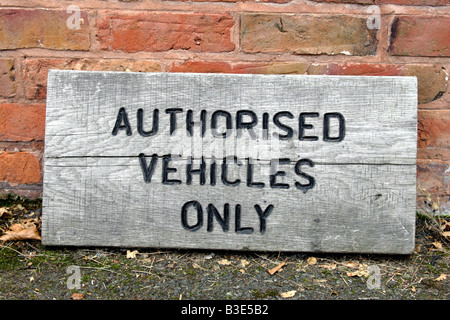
433 134
356 69
22 122
415 2
269 1
163 31
420 36
35 70
307 34
202 67
431 78
433 177
7 78
39 28
400 2
19 168
247 67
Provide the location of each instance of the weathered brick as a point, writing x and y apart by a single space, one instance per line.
420 36
163 31
247 67
399 2
39 28
35 70
19 168
433 178
268 1
356 69
433 134
431 78
307 34
415 2
22 122
7 78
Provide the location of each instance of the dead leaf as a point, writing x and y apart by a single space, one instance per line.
244 263
224 262
311 261
358 273
132 254
351 264
288 294
77 296
331 266
441 277
19 207
4 212
437 245
24 231
277 268
361 272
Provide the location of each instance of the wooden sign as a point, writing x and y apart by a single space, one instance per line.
239 162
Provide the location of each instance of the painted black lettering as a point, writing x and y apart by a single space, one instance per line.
302 126
150 169
225 180
122 117
263 215
289 131
229 123
241 124
277 173
265 123
184 215
326 127
140 123
173 118
166 170
250 182
311 181
238 228
190 122
224 221
212 172
201 171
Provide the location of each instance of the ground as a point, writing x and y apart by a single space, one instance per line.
29 270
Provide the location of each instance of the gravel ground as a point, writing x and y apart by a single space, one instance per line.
30 271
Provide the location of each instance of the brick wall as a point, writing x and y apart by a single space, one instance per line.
332 37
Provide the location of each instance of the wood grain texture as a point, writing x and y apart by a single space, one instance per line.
363 198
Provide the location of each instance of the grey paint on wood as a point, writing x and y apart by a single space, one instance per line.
363 199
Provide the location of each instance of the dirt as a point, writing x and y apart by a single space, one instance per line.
29 270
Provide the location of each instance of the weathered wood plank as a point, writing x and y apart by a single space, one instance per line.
353 208
373 108
353 195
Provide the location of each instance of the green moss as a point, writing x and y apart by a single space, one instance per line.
10 260
269 293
